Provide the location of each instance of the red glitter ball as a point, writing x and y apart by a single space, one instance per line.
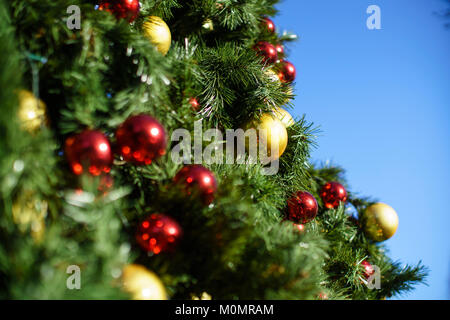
270 26
89 151
141 139
332 193
267 51
302 207
158 233
287 71
368 269
122 9
198 179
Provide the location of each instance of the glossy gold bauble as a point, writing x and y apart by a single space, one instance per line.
157 31
272 133
31 111
284 117
29 213
379 222
142 284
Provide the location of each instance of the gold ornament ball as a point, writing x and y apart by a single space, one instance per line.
142 284
284 117
379 222
31 111
272 132
157 31
29 213
208 25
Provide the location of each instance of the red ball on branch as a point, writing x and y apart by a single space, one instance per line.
280 49
302 207
89 151
332 193
158 233
195 105
198 179
268 25
141 139
267 51
287 71
368 269
122 9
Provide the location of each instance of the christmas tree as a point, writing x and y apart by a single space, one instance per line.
124 175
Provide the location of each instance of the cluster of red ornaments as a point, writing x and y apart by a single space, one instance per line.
140 139
302 206
159 233
122 9
271 54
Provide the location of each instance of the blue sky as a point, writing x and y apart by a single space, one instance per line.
382 100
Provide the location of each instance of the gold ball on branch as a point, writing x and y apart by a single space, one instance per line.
272 132
142 284
31 111
284 117
379 222
157 31
29 213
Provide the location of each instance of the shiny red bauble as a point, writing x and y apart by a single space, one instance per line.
280 49
141 139
267 51
332 193
268 25
368 269
302 207
122 9
194 104
89 151
287 72
198 180
158 233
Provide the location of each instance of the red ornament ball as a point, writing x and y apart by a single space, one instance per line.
158 233
141 139
287 71
198 179
268 25
89 151
332 193
280 49
299 227
368 269
122 9
302 207
267 51
194 104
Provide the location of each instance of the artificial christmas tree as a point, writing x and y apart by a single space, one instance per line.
234 244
